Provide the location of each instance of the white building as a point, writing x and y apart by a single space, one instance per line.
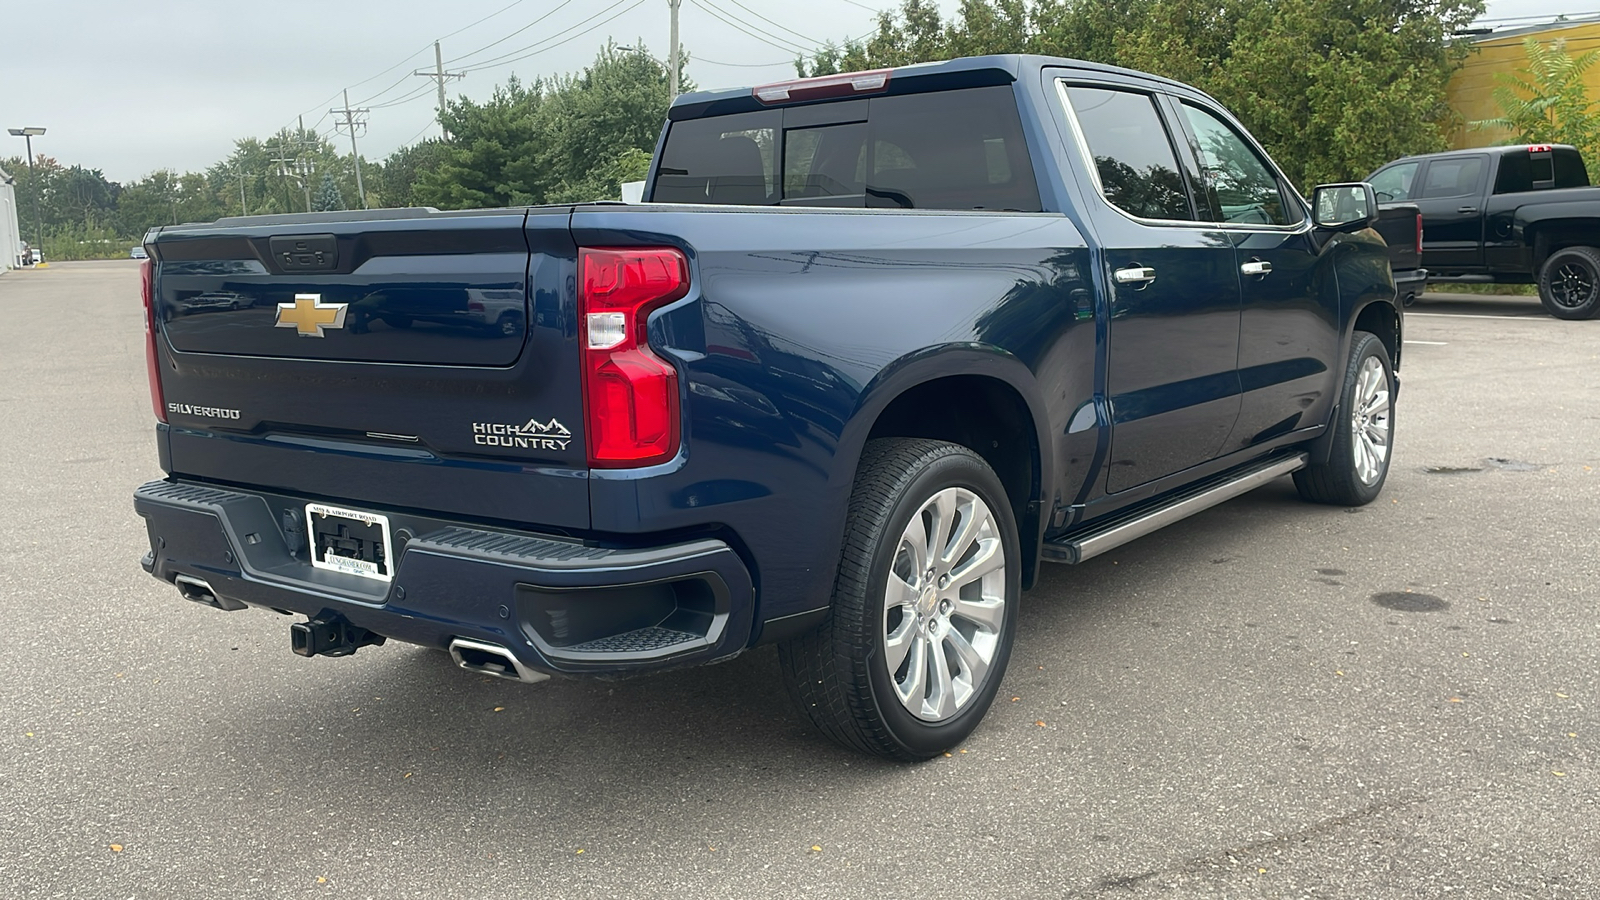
10 232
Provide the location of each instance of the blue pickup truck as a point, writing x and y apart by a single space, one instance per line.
875 348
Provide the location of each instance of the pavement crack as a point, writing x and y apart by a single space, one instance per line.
1195 864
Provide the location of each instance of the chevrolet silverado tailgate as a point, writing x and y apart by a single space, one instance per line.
393 358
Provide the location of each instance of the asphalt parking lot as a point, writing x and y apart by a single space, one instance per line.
1271 699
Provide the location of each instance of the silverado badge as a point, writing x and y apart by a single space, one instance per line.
308 315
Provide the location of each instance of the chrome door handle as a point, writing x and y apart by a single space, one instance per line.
1135 275
1467 210
1256 267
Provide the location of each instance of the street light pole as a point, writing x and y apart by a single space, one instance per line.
28 134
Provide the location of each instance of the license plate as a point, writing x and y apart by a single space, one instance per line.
350 541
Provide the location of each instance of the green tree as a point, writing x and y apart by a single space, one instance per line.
397 177
560 140
328 196
1548 101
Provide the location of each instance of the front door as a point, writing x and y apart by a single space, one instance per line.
1451 201
1289 307
1173 336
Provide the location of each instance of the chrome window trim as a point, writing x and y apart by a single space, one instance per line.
1087 157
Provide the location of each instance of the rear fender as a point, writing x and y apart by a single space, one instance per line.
967 361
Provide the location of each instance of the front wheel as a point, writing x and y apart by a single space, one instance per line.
924 605
1363 434
1569 283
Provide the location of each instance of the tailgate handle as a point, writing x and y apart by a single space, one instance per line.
305 252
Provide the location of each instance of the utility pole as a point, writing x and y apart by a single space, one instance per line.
283 161
302 164
353 119
28 134
440 75
672 55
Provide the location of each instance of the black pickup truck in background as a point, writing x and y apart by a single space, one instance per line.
1506 215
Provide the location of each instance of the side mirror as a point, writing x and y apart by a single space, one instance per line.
1344 207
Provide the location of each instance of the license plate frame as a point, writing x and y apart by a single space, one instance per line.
320 513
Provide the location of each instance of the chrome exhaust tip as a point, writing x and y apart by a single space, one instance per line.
483 658
198 591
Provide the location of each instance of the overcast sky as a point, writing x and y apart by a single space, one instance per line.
132 87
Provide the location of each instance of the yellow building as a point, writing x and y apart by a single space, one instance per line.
1470 92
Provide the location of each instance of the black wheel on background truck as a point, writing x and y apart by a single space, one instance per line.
1363 431
924 605
1569 283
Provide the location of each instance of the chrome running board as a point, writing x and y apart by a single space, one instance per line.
1075 547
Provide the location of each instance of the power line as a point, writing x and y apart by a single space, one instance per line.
712 62
775 24
483 20
509 54
416 94
517 55
559 7
749 31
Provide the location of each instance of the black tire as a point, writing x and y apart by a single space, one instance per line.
1569 283
1340 480
837 674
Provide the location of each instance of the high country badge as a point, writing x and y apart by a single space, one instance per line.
530 435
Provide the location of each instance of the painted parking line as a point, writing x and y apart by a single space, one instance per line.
1478 316
1429 343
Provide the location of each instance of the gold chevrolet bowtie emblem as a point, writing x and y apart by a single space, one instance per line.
308 315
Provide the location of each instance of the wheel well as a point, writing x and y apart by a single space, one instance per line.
991 419
1381 319
1549 237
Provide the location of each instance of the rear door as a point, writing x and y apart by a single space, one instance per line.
1451 200
1174 331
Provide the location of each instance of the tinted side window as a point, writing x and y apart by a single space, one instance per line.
949 150
726 159
1246 191
1570 171
1454 177
1132 152
1515 174
1395 182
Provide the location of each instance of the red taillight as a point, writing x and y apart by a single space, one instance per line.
1419 234
824 87
147 272
630 394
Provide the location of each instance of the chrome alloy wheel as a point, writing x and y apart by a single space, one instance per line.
944 604
1572 286
1369 421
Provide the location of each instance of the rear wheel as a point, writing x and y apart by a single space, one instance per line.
1364 431
924 605
1569 283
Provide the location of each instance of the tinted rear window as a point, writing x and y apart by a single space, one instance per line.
1523 171
948 150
